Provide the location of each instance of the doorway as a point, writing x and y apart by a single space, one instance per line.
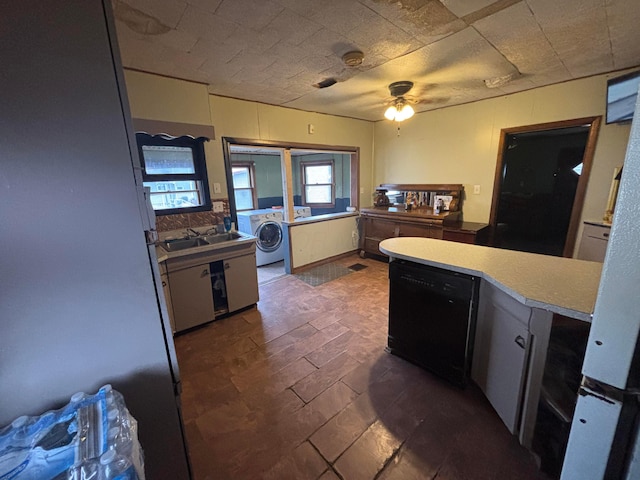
541 178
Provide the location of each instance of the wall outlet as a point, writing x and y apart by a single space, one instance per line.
476 189
216 188
218 207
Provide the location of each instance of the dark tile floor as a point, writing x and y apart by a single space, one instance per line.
302 388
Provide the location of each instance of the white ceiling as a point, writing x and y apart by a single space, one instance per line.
274 51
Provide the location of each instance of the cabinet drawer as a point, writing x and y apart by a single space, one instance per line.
381 229
461 237
428 231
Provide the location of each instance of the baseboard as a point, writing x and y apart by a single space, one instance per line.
323 261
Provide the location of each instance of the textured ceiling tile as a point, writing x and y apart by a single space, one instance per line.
217 70
326 43
254 14
293 28
384 38
215 51
465 7
204 24
182 60
624 23
178 40
432 19
167 12
343 16
523 44
578 33
208 5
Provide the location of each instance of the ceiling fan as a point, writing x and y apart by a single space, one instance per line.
400 109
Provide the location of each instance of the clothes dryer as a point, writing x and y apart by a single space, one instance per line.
266 226
299 211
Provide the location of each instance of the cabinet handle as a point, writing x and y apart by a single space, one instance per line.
605 235
520 341
164 284
205 273
226 266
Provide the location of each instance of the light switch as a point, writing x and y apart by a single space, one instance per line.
476 189
218 207
311 128
216 188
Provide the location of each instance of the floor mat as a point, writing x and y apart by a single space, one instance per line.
323 274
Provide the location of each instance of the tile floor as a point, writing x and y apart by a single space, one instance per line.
302 388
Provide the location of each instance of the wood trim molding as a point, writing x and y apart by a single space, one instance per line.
175 129
576 212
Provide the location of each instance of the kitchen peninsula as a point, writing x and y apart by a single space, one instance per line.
519 293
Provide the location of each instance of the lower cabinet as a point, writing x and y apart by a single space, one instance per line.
509 358
241 282
191 296
205 285
502 349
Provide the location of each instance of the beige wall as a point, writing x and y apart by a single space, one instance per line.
452 145
160 98
460 144
313 242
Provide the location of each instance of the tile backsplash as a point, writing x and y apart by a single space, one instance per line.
180 221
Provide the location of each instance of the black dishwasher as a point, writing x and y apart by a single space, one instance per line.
432 316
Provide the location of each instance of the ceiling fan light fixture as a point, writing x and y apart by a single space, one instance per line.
399 111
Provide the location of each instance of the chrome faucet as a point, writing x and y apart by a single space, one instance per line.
197 234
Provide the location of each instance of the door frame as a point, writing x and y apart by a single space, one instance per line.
587 161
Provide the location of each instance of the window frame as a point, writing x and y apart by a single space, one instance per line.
199 162
303 178
252 180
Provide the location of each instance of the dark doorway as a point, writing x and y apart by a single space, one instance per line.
541 177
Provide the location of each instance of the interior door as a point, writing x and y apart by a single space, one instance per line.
540 181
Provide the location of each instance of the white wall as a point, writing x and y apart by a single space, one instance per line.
460 144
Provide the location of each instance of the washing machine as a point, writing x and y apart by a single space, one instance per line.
299 212
266 226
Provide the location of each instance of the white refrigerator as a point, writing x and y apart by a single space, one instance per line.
604 443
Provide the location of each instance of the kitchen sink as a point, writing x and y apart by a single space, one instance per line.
178 244
221 237
183 243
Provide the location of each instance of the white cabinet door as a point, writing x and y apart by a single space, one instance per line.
501 352
241 280
191 296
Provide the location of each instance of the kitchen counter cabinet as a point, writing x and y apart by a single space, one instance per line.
191 296
510 352
191 276
519 293
241 281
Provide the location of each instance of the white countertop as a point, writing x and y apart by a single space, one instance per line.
562 285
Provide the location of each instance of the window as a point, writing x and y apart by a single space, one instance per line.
244 187
317 184
175 170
